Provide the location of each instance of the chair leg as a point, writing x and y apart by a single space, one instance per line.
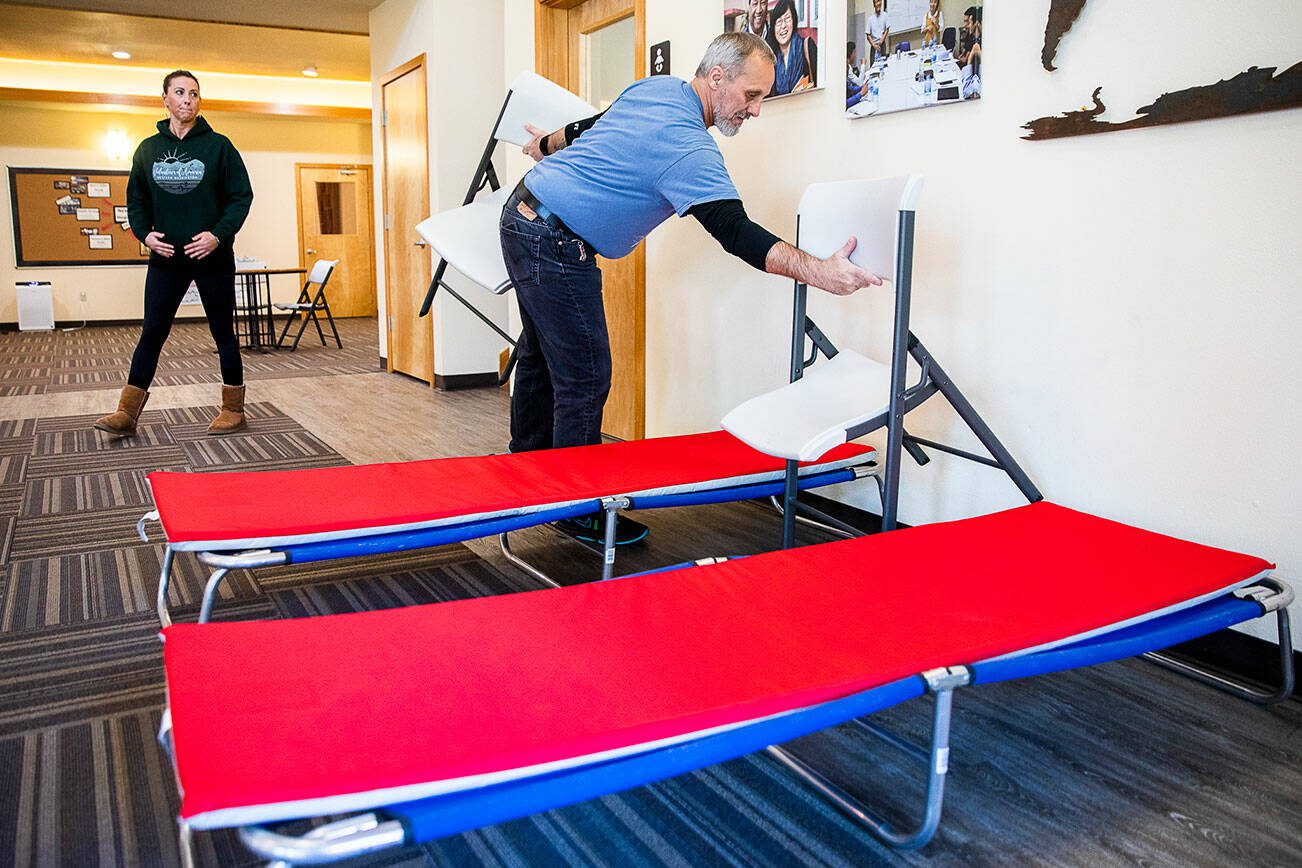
302 327
316 320
330 319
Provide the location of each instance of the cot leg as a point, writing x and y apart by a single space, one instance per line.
942 683
611 505
529 568
608 555
164 579
210 593
1279 600
185 843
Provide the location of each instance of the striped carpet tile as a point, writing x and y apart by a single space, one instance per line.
99 357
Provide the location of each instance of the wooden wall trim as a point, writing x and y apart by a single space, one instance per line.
127 100
399 71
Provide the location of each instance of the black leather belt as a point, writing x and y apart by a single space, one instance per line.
544 213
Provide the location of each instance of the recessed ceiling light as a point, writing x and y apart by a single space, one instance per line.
310 71
122 55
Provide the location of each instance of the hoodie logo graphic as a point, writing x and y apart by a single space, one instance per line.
177 172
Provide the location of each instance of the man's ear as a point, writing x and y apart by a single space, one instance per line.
717 75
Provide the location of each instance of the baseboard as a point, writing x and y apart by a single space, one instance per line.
454 382
60 325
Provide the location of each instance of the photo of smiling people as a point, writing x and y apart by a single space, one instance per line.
792 29
907 54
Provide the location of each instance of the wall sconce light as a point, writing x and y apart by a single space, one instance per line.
310 71
116 145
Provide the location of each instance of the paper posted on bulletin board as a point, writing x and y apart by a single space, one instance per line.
72 217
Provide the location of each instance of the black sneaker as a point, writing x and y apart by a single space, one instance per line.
592 528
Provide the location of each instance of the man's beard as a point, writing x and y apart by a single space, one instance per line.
725 124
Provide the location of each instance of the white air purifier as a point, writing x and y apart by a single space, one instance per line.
35 306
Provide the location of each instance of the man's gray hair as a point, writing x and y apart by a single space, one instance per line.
730 50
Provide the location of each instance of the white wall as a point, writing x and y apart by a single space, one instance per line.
1124 309
463 44
66 137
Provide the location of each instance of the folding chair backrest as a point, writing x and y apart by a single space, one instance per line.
321 269
832 211
541 103
467 238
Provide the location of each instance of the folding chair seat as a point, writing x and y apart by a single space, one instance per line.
309 304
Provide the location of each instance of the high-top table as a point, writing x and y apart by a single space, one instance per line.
249 316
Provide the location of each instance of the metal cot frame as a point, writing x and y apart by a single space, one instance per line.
426 819
383 541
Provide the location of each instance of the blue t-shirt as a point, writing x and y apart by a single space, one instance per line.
649 156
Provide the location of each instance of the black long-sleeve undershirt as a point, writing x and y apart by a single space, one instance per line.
726 220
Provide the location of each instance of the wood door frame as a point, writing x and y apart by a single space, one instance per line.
552 61
370 209
552 16
417 62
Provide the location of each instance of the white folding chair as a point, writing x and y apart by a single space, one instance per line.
310 303
466 237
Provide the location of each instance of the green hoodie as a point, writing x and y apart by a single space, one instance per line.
182 187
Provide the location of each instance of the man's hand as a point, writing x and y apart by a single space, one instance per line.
840 276
835 274
201 245
154 241
533 149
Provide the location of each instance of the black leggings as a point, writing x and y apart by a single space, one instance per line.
164 289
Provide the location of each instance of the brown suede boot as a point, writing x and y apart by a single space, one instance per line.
122 422
231 418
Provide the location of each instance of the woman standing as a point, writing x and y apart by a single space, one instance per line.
797 56
187 196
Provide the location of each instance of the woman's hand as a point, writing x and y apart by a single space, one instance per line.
201 245
154 241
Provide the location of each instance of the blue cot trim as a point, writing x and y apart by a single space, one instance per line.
740 492
1151 635
324 550
427 819
436 817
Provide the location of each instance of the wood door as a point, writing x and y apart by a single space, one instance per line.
406 203
564 40
334 222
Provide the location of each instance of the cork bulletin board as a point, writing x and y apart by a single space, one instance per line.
72 217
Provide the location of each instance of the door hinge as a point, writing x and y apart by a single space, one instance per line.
386 222
384 117
390 323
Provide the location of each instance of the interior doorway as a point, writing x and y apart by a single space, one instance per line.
597 48
406 203
334 222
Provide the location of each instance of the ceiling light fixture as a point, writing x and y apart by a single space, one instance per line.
310 71
122 55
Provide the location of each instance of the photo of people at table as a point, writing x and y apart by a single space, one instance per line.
907 54
791 28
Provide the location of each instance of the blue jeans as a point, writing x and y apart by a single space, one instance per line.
562 369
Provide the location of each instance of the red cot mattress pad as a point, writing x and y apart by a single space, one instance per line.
263 507
425 699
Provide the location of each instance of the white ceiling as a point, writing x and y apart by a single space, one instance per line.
336 16
47 33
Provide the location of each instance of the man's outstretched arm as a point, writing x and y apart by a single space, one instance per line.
726 220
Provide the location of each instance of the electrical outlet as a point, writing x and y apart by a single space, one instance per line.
82 295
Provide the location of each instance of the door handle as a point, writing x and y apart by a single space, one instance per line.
421 244
309 251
